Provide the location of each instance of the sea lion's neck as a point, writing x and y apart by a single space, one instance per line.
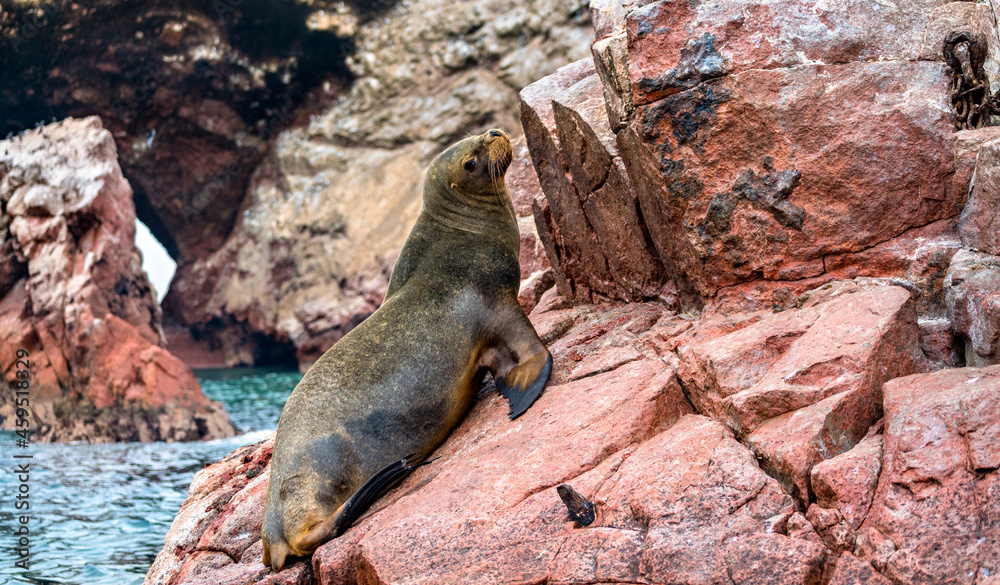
446 210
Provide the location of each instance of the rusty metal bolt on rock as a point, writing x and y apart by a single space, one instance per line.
971 101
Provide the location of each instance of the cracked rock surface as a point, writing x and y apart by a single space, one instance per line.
679 497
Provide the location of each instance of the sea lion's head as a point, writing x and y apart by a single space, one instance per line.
474 167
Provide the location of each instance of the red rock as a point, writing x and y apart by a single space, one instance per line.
522 184
211 491
939 343
847 482
874 548
771 364
698 491
610 55
735 184
81 305
973 299
233 574
532 289
674 46
522 180
836 533
238 525
593 224
773 558
918 259
605 361
980 226
609 16
202 561
799 528
805 384
850 570
938 494
789 445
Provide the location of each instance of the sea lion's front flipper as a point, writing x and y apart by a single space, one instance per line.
371 490
520 363
521 397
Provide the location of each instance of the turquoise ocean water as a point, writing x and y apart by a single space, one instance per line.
100 512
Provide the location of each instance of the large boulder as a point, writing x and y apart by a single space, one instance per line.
938 500
803 385
74 297
763 144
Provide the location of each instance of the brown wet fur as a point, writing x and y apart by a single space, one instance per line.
404 378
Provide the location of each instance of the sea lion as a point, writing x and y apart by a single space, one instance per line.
389 392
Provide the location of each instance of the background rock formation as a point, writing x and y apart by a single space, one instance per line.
73 294
192 91
330 205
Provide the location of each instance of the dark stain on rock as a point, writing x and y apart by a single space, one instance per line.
689 115
716 220
699 62
680 186
769 191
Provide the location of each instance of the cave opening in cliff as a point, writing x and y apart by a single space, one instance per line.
272 353
156 262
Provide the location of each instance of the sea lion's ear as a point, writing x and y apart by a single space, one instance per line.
521 397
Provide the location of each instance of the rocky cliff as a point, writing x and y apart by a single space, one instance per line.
774 323
74 297
328 208
275 147
759 147
192 91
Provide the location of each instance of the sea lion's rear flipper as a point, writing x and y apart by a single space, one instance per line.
371 490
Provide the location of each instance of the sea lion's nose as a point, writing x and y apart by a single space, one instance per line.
495 133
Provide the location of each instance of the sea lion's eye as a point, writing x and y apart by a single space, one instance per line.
470 165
